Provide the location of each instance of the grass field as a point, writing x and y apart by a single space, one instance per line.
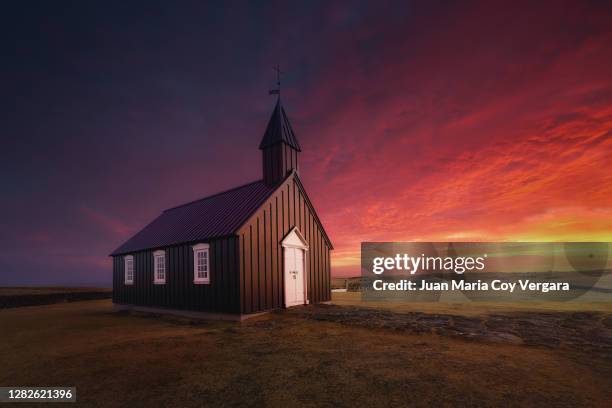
471 308
45 290
20 296
280 359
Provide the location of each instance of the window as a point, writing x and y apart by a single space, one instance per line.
129 270
201 264
159 267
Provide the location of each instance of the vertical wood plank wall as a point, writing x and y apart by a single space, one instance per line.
261 254
277 161
222 295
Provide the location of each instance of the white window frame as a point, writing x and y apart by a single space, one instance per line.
197 249
157 257
128 260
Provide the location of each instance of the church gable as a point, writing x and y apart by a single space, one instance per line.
261 249
291 199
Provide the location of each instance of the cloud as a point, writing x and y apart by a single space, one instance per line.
105 222
417 122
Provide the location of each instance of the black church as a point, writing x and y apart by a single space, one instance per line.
257 247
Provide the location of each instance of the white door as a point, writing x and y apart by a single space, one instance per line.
294 277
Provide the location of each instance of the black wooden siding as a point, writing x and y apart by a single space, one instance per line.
246 270
222 295
277 162
261 253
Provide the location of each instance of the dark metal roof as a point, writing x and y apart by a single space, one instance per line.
210 217
279 130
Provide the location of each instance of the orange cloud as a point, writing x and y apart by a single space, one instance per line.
514 149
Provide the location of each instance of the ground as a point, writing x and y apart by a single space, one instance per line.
43 290
43 295
472 308
287 359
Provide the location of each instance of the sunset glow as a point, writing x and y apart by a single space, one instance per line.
452 123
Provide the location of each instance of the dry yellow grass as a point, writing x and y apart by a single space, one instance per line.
470 308
44 290
279 360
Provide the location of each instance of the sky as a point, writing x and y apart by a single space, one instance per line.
427 121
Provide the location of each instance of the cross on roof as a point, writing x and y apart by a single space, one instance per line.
278 74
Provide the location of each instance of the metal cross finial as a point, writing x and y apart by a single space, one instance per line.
278 74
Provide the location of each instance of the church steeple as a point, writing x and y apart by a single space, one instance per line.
279 147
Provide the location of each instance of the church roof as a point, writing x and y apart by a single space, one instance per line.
279 129
214 216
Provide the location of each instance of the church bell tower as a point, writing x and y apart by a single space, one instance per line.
279 147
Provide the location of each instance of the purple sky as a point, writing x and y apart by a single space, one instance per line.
427 120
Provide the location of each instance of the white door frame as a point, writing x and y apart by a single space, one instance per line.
295 240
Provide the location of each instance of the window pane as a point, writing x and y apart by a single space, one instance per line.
201 266
160 267
129 270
